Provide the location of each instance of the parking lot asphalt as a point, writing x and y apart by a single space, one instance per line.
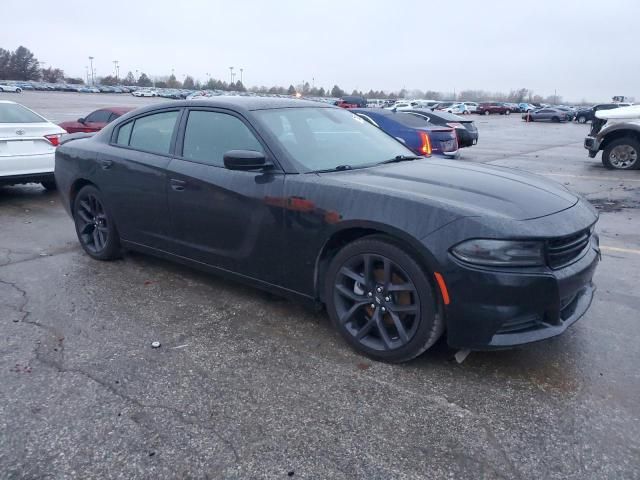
247 385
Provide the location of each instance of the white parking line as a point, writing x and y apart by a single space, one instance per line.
613 179
619 249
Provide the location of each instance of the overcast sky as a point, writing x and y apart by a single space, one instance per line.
585 49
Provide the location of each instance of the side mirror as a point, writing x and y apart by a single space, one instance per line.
245 160
81 120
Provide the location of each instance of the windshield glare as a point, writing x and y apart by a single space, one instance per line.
14 113
324 138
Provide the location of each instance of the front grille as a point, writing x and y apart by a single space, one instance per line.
563 251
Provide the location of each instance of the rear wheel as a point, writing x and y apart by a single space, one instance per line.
486 112
622 154
508 112
381 301
95 227
582 119
555 119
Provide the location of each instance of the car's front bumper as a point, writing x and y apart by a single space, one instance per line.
592 144
493 309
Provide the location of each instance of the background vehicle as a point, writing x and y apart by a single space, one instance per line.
617 133
404 106
458 109
10 88
27 146
466 130
142 92
546 114
526 107
471 106
487 108
352 101
588 114
395 246
96 120
417 133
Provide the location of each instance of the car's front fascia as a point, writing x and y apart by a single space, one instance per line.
492 307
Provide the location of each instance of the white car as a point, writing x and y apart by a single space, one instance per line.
144 93
404 106
471 106
10 88
27 146
457 109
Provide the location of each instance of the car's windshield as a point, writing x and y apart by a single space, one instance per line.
325 138
14 113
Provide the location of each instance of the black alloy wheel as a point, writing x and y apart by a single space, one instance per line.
381 301
95 227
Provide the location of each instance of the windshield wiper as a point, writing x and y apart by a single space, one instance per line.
339 168
400 158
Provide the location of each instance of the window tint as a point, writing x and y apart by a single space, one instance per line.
209 135
101 116
124 133
153 132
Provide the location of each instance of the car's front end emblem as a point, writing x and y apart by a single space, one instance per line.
20 132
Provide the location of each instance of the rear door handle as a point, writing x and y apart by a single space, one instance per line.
106 164
177 185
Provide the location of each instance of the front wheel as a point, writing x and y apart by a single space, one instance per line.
486 112
582 119
18 90
622 154
507 112
381 301
95 227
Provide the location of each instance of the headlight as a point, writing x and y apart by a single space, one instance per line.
503 253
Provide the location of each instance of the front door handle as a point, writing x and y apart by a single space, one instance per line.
177 185
106 164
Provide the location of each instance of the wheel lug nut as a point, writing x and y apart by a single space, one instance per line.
369 294
373 305
379 289
383 309
387 299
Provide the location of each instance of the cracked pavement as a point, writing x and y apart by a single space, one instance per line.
247 385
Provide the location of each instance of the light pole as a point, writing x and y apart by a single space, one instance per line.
231 74
87 69
115 67
241 70
93 78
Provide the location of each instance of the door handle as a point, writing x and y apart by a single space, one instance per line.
106 164
177 185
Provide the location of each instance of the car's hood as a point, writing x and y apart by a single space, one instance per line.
472 188
621 113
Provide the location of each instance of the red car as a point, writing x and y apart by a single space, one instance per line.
487 108
95 121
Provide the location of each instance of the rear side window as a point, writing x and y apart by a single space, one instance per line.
124 134
209 135
152 133
409 120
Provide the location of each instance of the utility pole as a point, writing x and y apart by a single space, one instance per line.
93 78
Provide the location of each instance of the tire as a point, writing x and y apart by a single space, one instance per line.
96 230
49 185
19 90
487 112
627 159
555 119
393 325
582 119
507 112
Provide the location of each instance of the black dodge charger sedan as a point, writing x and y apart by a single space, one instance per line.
311 201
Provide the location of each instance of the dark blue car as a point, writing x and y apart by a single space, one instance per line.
415 132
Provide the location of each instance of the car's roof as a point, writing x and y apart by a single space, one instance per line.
119 110
250 103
